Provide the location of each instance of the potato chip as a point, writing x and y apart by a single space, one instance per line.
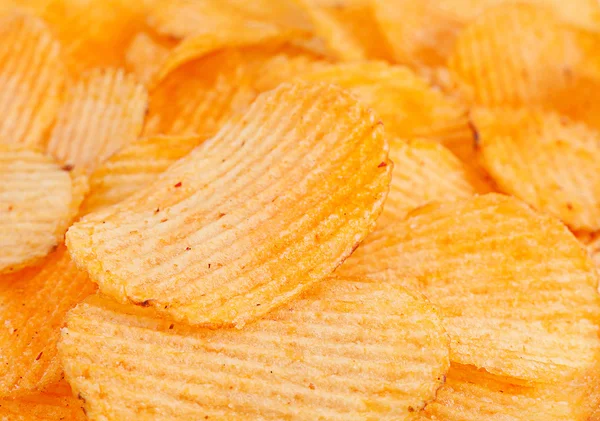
146 54
38 201
33 304
32 76
103 112
249 219
201 95
348 350
94 33
522 54
348 28
592 243
544 159
517 291
134 167
55 404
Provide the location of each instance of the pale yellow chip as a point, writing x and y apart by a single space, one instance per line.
249 219
32 76
524 55
545 159
146 54
201 95
103 112
348 350
33 304
38 201
54 404
134 167
516 289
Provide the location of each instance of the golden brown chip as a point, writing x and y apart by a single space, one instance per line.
146 54
33 304
545 159
38 201
32 76
517 291
592 243
134 167
522 54
201 95
348 350
249 219
103 112
54 404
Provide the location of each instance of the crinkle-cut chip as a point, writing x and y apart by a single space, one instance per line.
408 106
33 305
146 54
250 218
103 112
473 395
134 167
38 201
54 404
32 76
423 172
185 18
348 350
516 289
349 29
201 95
522 54
544 159
94 33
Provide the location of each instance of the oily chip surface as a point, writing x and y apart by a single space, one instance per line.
249 219
103 111
33 304
38 201
348 350
32 76
545 159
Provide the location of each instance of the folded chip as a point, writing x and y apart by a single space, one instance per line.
103 112
33 304
349 349
545 159
32 76
134 167
517 291
202 94
38 201
146 54
273 203
54 404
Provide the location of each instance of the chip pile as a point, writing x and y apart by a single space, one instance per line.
300 210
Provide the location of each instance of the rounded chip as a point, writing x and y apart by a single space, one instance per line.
544 159
251 217
38 201
32 76
33 305
54 404
146 54
349 350
134 167
201 95
103 112
516 289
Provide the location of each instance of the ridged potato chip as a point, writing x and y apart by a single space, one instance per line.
201 95
516 289
349 350
32 76
55 404
146 54
33 305
251 217
134 167
544 159
38 201
524 55
103 112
